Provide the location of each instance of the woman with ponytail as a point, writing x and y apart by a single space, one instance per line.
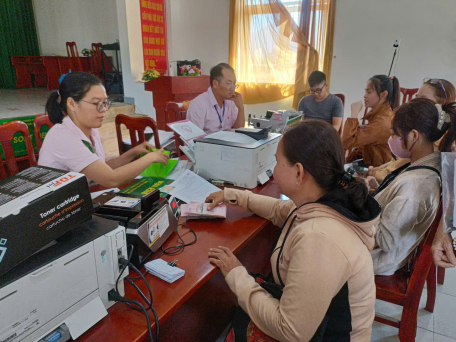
371 141
77 110
410 195
439 91
323 281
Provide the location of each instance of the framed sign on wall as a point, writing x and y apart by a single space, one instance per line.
153 27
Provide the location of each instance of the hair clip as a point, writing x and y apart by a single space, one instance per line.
443 117
346 177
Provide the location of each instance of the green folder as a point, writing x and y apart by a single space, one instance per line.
159 170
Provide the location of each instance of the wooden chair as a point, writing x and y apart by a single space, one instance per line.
175 111
39 121
136 126
97 68
73 56
7 132
408 94
405 287
342 97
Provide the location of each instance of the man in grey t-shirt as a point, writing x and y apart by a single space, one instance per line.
320 104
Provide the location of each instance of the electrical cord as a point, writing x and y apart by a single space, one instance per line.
173 250
149 302
115 296
122 270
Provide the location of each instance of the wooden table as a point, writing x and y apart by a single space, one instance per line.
200 305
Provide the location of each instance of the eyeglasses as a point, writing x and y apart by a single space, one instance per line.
229 86
100 105
435 82
317 91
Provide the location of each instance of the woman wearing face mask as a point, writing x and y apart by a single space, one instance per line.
410 195
321 263
77 110
438 90
382 95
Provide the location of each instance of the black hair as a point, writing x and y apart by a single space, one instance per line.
380 83
422 115
217 71
74 85
317 146
316 77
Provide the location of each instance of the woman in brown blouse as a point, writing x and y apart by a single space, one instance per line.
382 95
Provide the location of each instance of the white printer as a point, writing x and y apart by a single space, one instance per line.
228 156
236 158
61 291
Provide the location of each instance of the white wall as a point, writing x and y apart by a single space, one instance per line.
82 21
193 31
199 29
364 35
131 50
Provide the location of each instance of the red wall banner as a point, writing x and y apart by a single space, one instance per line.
153 27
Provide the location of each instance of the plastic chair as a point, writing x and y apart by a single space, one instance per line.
73 56
408 94
39 121
97 68
405 287
175 111
136 126
342 97
7 132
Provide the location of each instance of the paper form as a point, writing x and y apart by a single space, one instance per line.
190 187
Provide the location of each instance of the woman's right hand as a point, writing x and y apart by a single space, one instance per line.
214 199
442 250
356 109
158 157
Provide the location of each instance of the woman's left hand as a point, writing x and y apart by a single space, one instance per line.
223 258
142 148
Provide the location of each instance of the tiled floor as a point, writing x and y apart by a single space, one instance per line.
439 326
22 102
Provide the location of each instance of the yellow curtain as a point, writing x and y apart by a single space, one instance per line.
276 44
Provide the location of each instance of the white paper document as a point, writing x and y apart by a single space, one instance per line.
190 187
187 130
179 169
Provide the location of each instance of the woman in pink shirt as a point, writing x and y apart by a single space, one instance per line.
77 110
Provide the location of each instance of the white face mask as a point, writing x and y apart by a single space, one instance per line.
395 145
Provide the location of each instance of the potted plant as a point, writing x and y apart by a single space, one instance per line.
86 52
150 74
187 70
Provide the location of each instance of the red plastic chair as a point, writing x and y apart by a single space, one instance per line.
73 56
7 132
39 121
408 94
97 55
342 97
136 126
405 287
175 111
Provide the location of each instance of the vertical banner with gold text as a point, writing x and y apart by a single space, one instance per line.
153 27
